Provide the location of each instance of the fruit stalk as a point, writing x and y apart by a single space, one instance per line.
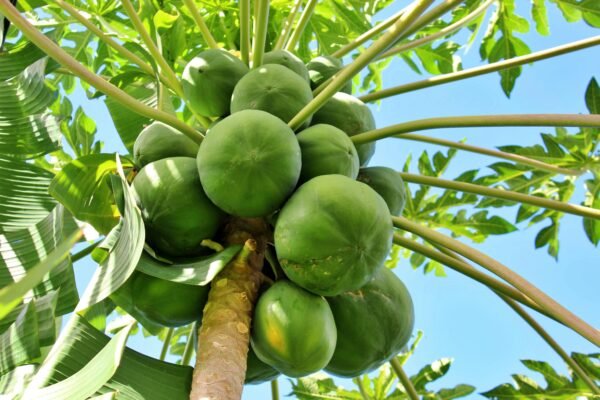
261 22
302 22
224 335
79 70
287 25
208 37
245 31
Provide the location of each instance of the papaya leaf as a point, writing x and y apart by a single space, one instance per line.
24 198
88 379
200 272
28 254
13 383
45 307
82 187
592 97
319 386
122 258
27 129
17 58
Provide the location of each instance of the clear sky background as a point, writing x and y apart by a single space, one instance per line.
460 318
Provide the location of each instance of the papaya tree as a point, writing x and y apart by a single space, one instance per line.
242 223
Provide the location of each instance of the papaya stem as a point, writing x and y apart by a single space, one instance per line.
154 51
380 45
79 70
369 34
471 121
84 252
302 23
224 334
261 23
287 25
481 70
404 379
245 31
204 31
441 33
275 389
568 208
188 350
552 343
546 302
468 270
530 162
211 244
166 344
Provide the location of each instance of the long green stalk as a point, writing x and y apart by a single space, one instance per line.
188 350
466 269
481 70
105 38
84 252
287 25
530 162
361 388
552 343
404 379
377 29
302 22
166 344
154 51
509 195
472 121
274 389
546 302
261 21
441 33
360 62
245 31
204 31
63 58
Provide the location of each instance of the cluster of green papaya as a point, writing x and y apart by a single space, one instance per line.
339 308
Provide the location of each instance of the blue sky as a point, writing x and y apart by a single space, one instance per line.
460 318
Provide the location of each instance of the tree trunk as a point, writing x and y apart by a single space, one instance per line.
224 335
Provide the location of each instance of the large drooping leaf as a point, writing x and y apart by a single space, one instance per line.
11 295
199 272
24 198
124 246
82 186
20 344
138 377
25 249
89 379
27 128
16 59
13 383
45 307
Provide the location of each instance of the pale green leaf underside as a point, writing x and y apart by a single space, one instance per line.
20 344
45 307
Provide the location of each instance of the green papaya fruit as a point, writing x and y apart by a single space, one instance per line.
351 115
272 88
322 68
288 60
326 150
250 163
333 234
374 323
388 184
208 81
177 213
168 303
158 141
293 330
258 371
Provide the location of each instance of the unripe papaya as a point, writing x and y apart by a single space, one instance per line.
209 79
288 60
249 163
158 141
333 234
168 303
258 371
351 115
388 184
293 330
272 88
322 68
326 150
374 323
177 213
